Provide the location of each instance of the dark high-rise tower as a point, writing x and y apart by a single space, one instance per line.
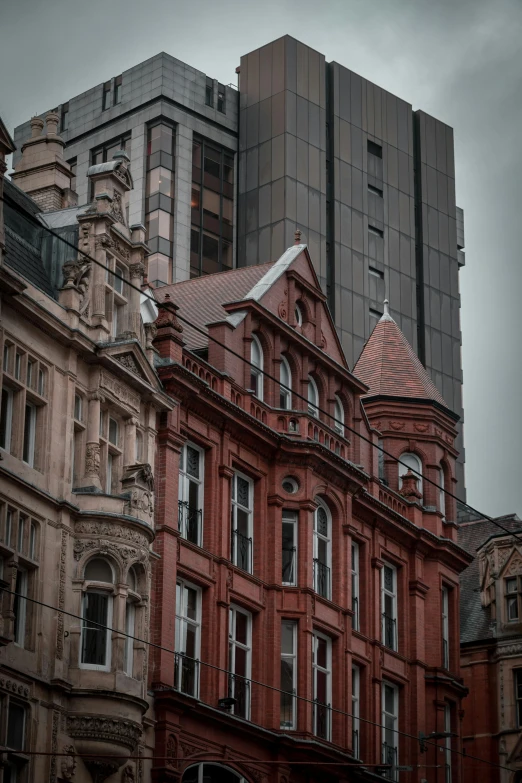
312 145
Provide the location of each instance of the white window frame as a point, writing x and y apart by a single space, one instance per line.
291 518
250 511
356 707
445 628
106 591
395 718
355 552
292 657
393 595
256 367
233 645
328 671
313 398
447 743
298 314
9 419
442 494
512 598
285 385
32 434
130 623
183 490
338 424
20 620
328 540
182 621
411 461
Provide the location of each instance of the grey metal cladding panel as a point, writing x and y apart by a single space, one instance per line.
290 64
403 113
407 264
431 198
265 72
443 233
359 316
252 210
314 173
445 273
394 290
452 230
377 107
370 109
243 82
302 161
291 199
357 189
450 159
278 113
252 126
391 119
278 157
265 120
404 214
431 142
322 85
356 147
436 355
357 231
302 70
252 162
265 162
420 117
457 369
435 308
432 257
278 239
344 181
447 384
314 133
404 172
393 208
343 262
393 248
251 249
265 205
302 204
344 94
265 235
333 70
442 192
356 100
253 78
364 109
392 165
278 65
314 76
278 200
345 143
433 228
451 197
358 276
345 225
290 155
302 118
440 140
445 316
290 112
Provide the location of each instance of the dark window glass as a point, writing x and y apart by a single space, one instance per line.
94 641
374 149
221 102
15 726
117 90
72 163
65 117
209 93
106 95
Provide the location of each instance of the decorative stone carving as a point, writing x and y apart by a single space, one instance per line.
409 489
117 207
397 425
121 731
167 315
106 242
127 775
139 482
123 553
283 310
515 567
101 770
14 687
61 596
54 745
419 427
77 274
129 362
113 531
120 391
92 459
137 270
68 765
324 344
172 750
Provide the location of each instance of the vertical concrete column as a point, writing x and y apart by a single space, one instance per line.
130 440
136 196
182 199
92 451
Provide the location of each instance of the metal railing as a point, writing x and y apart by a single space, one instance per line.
189 522
186 674
321 579
389 756
389 631
242 551
288 710
322 719
289 564
239 689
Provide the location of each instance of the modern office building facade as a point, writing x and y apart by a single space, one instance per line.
224 179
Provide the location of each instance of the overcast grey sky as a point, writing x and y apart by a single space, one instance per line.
459 60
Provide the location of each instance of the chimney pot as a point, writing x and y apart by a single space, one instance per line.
297 237
52 121
36 127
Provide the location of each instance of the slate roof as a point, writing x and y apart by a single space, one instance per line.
475 620
23 238
201 299
389 366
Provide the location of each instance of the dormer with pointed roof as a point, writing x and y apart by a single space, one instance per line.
406 407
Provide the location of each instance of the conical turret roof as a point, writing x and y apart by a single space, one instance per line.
389 366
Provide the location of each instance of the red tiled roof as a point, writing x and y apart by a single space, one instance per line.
390 367
200 300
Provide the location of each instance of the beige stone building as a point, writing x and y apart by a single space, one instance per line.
80 401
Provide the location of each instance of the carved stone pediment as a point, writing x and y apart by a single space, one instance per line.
129 362
138 482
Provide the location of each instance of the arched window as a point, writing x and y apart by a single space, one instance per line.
322 549
256 369
95 650
442 493
339 416
285 379
211 773
410 462
313 398
298 314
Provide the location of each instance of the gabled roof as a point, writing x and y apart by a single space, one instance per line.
6 141
389 366
201 299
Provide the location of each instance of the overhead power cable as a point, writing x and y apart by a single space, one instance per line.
169 307
156 646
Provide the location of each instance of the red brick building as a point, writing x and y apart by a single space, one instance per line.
309 587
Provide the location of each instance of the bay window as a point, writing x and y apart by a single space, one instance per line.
95 645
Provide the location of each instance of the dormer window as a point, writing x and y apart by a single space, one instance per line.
513 586
256 368
298 314
410 462
313 398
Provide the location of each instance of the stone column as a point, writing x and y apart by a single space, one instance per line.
129 455
92 452
98 274
133 308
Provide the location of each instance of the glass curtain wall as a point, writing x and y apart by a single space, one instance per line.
212 209
159 201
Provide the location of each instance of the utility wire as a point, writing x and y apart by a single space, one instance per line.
87 623
168 306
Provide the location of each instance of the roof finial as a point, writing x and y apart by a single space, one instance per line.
386 308
297 237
